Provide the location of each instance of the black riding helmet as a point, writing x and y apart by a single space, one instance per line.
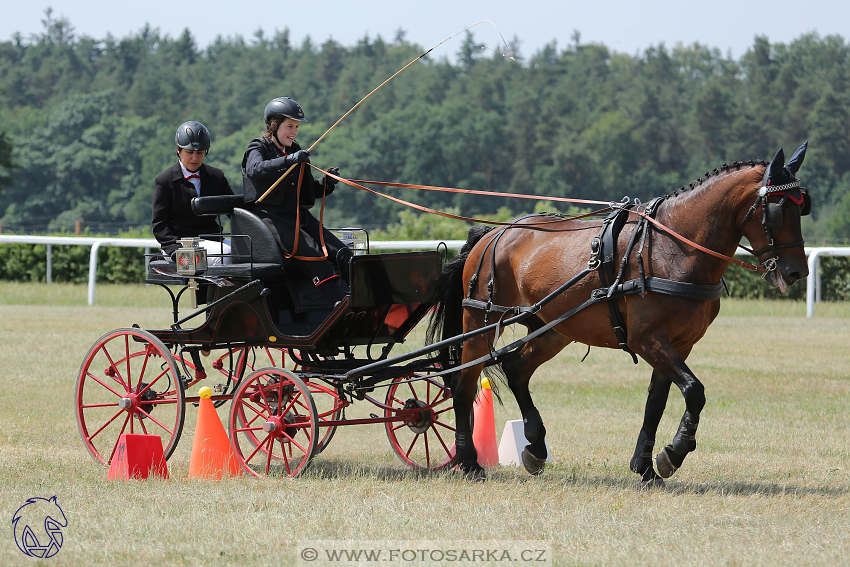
283 107
193 136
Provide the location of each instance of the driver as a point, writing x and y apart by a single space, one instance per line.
175 188
266 159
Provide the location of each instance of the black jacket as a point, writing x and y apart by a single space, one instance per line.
262 165
172 211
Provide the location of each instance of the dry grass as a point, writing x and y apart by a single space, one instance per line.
768 485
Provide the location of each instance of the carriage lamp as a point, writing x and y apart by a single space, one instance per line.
354 238
191 257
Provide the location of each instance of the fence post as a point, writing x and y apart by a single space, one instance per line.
93 268
811 281
49 263
818 296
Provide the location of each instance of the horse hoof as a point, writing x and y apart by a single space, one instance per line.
531 463
666 468
473 472
651 479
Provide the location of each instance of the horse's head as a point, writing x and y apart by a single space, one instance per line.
772 223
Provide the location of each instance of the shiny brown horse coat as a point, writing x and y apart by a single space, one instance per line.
533 260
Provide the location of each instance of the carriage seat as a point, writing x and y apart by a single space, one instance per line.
254 251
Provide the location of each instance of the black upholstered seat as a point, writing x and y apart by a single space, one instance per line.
254 251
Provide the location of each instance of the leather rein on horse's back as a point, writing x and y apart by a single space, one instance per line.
608 206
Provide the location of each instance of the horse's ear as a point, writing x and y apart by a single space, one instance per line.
775 172
796 160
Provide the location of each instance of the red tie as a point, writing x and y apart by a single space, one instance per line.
193 176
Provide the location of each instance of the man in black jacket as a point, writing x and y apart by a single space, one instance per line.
175 188
285 209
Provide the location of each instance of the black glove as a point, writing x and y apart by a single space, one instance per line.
301 156
330 180
327 183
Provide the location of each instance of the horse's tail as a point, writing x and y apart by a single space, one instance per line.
447 317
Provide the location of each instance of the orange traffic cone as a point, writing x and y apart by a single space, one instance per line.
484 431
212 455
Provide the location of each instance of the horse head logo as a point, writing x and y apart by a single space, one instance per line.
38 527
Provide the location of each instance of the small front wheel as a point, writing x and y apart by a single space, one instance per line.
274 426
423 436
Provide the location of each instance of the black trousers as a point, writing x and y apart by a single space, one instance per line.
282 226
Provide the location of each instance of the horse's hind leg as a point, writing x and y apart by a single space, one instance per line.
656 402
464 388
518 368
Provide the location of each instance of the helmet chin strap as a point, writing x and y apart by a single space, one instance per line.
277 139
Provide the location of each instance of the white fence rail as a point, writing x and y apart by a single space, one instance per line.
813 286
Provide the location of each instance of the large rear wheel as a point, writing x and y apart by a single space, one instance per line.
424 439
128 383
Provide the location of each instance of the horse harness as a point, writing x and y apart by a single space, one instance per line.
603 254
772 216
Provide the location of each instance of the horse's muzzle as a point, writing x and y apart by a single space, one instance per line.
786 274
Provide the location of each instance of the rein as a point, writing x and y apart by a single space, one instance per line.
424 209
609 206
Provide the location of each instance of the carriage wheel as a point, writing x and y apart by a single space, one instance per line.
329 406
128 383
274 427
426 440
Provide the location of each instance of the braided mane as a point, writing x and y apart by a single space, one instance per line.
716 172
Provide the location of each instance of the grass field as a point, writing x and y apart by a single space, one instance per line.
768 485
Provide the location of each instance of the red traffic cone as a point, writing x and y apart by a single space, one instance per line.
212 455
137 456
484 431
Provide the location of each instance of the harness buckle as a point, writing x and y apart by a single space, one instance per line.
595 246
769 265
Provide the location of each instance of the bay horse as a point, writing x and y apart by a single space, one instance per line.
529 259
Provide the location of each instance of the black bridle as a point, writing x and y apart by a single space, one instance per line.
773 216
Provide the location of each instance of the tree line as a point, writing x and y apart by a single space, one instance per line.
86 124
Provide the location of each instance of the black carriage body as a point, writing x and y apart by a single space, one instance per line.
272 304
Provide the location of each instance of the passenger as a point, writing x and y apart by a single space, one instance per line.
175 188
266 159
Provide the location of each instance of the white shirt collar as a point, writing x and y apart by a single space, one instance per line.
196 181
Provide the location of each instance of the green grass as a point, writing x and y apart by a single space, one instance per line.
768 485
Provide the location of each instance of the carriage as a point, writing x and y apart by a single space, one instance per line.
647 279
248 318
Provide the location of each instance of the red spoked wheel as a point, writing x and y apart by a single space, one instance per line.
274 426
329 405
128 383
425 439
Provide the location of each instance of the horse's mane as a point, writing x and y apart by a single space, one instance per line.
712 176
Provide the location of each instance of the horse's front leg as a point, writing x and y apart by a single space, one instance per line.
656 402
670 365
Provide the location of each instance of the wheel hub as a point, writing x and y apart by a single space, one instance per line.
148 396
273 426
418 422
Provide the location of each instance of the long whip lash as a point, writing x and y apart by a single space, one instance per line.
287 172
